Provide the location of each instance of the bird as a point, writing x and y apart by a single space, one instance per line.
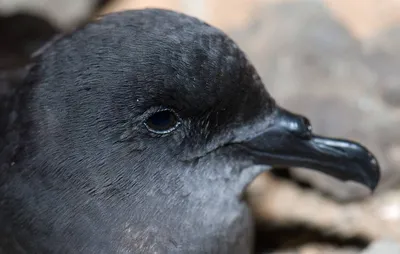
139 133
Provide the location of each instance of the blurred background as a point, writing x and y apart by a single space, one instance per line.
335 61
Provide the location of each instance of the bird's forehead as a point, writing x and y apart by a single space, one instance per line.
178 54
171 45
204 64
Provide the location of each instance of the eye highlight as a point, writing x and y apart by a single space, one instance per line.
162 122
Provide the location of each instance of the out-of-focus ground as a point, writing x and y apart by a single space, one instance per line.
336 61
363 17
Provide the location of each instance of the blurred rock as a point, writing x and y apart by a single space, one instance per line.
65 15
383 247
27 25
384 57
22 35
319 249
312 65
278 203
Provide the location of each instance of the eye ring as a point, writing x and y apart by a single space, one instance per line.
162 121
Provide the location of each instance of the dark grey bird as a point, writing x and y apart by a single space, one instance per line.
139 132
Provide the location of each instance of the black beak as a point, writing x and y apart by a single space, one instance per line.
289 142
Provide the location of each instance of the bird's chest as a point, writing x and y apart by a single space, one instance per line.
219 231
228 230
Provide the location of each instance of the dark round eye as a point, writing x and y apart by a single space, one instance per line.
162 122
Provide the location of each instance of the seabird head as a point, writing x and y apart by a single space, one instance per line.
153 115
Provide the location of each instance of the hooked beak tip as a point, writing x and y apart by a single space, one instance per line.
372 182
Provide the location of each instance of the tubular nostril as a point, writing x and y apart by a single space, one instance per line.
296 124
303 127
307 126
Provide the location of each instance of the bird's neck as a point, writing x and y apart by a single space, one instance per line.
14 116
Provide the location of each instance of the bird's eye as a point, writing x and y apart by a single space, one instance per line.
162 122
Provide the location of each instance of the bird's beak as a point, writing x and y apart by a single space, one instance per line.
289 142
